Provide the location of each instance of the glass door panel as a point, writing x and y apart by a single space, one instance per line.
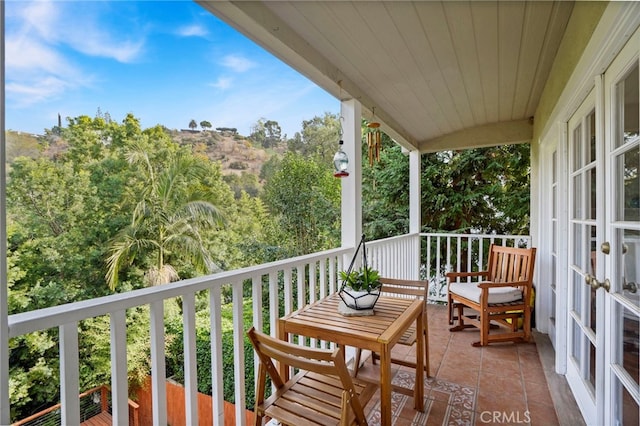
622 357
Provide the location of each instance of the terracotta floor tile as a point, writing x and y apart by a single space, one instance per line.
538 393
541 415
469 385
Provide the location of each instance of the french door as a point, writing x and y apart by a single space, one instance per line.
585 304
620 252
603 261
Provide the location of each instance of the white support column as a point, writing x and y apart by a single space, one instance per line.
352 185
415 211
4 310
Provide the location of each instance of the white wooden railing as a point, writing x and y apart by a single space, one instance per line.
311 277
444 253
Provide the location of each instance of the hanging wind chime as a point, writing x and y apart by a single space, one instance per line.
374 140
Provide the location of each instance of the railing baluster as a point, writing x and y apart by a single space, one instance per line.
322 268
69 374
217 385
300 283
288 296
274 297
158 367
190 359
119 385
256 298
238 353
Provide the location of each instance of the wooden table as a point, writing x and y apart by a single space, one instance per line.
378 333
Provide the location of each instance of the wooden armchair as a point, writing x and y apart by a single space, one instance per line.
501 297
322 392
407 289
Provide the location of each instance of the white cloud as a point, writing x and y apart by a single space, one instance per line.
192 31
39 17
35 91
97 44
28 54
222 83
58 24
238 63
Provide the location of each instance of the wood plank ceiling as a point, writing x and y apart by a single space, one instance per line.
439 74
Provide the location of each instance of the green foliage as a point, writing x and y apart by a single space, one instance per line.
247 182
173 211
63 209
385 193
363 279
319 138
266 133
304 198
483 190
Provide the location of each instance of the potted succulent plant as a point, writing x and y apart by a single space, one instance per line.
360 287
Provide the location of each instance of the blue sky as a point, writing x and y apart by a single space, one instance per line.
167 62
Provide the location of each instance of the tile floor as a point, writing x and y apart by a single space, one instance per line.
499 384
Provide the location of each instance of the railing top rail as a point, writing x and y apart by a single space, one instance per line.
391 239
46 318
484 236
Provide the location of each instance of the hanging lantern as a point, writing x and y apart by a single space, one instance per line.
374 141
340 162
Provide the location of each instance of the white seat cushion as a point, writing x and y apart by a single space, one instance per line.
496 295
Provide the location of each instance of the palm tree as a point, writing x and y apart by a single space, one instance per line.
167 223
193 125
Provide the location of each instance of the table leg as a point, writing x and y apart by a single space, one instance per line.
418 390
385 384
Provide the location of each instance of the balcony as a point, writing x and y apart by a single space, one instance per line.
466 381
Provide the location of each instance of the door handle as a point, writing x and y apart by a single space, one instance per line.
631 287
606 248
593 282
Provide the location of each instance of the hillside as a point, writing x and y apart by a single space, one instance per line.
235 153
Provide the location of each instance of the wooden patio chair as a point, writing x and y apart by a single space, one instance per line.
502 296
407 289
322 392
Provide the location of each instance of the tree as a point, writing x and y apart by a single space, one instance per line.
477 190
205 125
385 193
193 125
62 208
319 137
266 133
168 221
304 198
